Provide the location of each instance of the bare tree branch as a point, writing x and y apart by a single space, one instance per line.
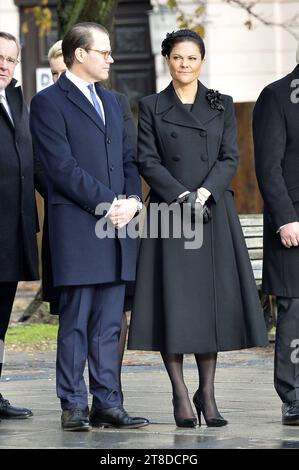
198 20
290 25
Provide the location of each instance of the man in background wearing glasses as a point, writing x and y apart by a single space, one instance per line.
80 139
18 249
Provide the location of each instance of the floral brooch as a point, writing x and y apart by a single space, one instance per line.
215 100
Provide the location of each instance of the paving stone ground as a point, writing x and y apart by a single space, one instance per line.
244 389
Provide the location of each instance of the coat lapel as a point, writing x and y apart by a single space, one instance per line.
174 111
106 104
78 98
15 102
201 108
295 72
3 113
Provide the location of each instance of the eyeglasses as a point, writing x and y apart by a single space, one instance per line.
105 54
10 60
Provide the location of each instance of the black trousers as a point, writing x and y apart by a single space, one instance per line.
286 363
7 296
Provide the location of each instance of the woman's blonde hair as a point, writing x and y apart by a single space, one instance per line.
55 51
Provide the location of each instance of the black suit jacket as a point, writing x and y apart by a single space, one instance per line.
18 248
276 143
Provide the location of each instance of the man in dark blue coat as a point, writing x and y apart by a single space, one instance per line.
276 142
18 247
79 136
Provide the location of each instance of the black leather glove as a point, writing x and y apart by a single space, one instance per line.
206 213
196 206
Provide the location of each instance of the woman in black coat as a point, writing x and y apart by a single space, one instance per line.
201 300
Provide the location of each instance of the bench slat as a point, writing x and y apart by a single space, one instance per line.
256 253
257 264
251 220
253 231
257 275
254 242
252 226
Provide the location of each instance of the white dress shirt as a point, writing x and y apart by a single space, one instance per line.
4 101
82 85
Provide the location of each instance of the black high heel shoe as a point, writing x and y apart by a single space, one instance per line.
183 422
211 422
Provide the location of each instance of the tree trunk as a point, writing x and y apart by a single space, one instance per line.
70 12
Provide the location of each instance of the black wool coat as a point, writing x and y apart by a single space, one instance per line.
18 223
193 300
276 143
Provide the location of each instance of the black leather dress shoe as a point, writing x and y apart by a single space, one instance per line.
115 417
7 411
290 413
75 420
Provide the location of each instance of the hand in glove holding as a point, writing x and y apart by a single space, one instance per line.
206 212
202 196
198 201
191 199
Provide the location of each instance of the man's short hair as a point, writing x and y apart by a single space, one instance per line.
10 37
55 51
79 36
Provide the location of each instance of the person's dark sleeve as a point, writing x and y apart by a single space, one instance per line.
128 121
131 173
269 135
40 181
132 178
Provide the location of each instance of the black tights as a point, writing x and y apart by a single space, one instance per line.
206 364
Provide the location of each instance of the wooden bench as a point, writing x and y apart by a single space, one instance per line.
252 226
